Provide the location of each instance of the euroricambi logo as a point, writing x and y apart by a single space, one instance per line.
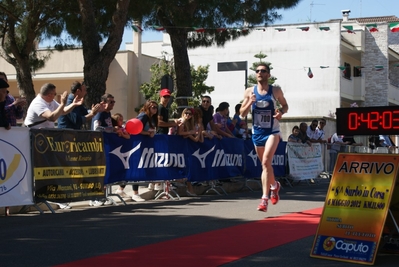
13 164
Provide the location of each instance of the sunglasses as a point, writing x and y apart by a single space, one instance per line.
261 70
206 101
166 96
111 102
322 122
314 125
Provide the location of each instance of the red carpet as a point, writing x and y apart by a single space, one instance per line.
216 247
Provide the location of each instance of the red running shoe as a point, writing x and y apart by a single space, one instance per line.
263 205
274 197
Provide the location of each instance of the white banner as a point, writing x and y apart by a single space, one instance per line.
15 167
304 161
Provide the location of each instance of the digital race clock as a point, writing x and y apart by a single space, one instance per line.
368 121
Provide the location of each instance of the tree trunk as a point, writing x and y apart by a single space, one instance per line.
182 68
24 81
97 60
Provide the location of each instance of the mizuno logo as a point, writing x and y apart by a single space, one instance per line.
202 157
254 157
124 157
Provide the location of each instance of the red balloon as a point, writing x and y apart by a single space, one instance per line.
134 126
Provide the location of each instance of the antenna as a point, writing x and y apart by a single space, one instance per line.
311 7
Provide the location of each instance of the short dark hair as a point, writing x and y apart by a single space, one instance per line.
75 86
105 96
223 106
47 88
237 108
264 65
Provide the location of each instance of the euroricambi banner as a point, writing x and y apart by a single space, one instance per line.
68 165
356 207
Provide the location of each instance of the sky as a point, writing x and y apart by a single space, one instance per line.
308 10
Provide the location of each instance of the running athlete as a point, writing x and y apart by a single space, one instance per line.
265 128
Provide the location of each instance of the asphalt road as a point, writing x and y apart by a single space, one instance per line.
83 231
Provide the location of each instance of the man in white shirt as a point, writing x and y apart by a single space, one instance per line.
44 110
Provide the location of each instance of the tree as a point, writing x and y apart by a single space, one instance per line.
22 24
252 78
92 22
193 23
163 67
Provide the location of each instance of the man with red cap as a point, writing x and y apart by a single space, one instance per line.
163 113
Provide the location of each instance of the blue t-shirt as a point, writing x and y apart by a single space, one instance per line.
75 119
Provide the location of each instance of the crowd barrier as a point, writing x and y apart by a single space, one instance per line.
61 165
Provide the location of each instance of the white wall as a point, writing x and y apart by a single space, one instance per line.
291 52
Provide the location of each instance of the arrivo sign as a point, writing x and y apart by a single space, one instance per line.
368 120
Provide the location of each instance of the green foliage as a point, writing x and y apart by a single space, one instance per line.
151 89
252 77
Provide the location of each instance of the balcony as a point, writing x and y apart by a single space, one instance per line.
393 94
353 89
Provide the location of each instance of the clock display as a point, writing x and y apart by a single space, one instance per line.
368 121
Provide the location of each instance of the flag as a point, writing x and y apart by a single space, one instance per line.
137 28
349 29
394 26
280 29
359 67
324 67
158 28
324 28
310 74
372 27
197 29
304 29
378 67
342 67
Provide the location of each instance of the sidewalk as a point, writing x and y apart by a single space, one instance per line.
150 195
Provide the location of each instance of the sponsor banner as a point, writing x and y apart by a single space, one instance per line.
304 161
216 159
15 167
141 158
356 207
253 167
68 165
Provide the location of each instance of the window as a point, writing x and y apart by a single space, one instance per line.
347 71
357 72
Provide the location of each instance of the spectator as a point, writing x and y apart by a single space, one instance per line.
311 131
243 130
303 134
163 113
187 130
220 120
78 116
198 126
319 136
103 120
117 122
3 93
44 110
238 120
336 143
13 107
294 136
207 113
149 117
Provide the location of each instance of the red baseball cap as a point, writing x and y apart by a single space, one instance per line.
164 92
